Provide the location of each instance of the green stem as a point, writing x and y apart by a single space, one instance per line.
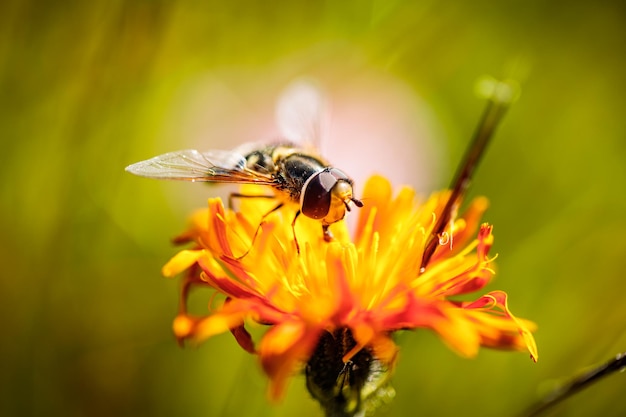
577 384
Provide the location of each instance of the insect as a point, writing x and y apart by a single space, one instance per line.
296 174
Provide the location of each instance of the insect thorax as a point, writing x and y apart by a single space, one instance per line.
261 161
289 166
294 170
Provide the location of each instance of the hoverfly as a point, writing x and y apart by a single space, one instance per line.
298 176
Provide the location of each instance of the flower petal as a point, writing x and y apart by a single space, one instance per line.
496 301
282 349
371 285
181 261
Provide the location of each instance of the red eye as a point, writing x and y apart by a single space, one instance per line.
316 194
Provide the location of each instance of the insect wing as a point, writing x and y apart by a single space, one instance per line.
191 165
300 114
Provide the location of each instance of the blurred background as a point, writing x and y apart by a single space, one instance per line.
90 87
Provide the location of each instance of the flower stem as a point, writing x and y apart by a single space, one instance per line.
499 97
578 383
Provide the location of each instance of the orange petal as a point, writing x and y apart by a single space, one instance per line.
181 261
458 333
363 335
376 195
281 350
216 324
384 348
243 338
499 299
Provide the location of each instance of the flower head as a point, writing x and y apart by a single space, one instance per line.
333 306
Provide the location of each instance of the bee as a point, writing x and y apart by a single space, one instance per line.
296 174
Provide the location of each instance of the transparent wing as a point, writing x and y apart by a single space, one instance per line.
301 114
191 165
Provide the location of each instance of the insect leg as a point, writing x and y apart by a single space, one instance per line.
231 196
343 379
328 236
293 229
256 232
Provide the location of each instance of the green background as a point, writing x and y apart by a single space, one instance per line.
89 87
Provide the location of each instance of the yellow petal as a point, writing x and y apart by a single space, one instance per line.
181 261
282 338
216 324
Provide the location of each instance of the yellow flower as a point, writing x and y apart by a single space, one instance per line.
337 303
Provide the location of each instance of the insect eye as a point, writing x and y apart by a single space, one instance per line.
316 195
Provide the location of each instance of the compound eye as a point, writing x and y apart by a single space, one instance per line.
316 195
340 175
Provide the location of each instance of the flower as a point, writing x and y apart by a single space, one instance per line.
333 306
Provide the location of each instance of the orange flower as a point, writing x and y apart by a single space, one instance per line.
334 305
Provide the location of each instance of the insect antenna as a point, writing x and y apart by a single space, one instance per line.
499 98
